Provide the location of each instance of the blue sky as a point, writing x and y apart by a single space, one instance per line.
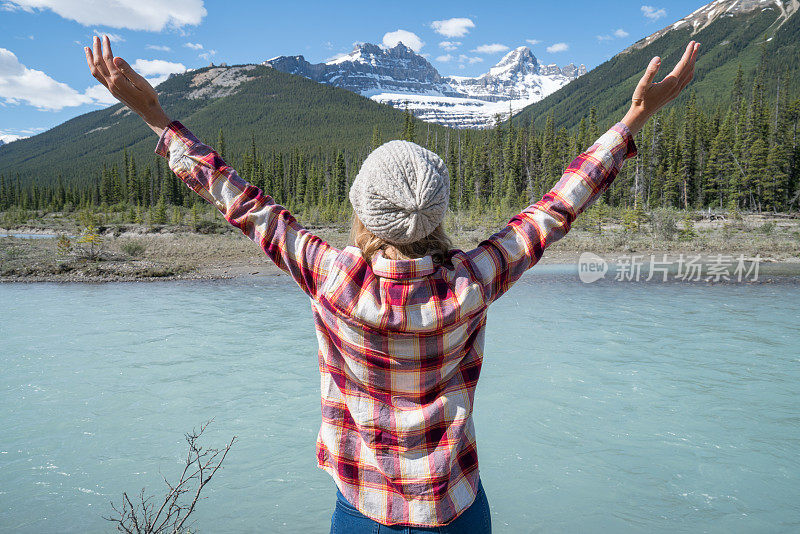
44 80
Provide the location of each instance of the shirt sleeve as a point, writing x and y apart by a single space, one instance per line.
501 260
291 247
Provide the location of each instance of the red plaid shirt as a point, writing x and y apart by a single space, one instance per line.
400 342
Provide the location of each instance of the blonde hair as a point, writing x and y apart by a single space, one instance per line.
437 244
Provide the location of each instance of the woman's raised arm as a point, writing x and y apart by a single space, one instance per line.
294 249
125 84
503 258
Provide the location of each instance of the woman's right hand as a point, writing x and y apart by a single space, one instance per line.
650 97
125 84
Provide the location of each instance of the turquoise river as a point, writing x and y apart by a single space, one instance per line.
606 407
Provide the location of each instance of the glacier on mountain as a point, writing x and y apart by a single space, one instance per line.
400 77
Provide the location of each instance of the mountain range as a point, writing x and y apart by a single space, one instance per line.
250 104
260 105
402 78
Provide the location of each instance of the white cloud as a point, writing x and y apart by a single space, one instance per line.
533 42
113 37
445 58
491 48
207 55
557 47
653 13
194 46
450 45
19 84
455 27
160 48
408 38
8 138
11 6
157 70
19 133
463 58
618 34
100 95
151 15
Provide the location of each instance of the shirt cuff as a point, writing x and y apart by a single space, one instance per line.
173 129
630 146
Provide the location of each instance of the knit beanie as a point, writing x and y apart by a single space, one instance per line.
401 192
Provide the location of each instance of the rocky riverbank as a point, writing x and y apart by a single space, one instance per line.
127 252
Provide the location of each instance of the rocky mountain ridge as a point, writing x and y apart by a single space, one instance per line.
705 16
400 77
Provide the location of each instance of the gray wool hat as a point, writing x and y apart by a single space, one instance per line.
401 192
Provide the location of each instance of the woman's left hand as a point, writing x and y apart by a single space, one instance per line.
650 97
127 86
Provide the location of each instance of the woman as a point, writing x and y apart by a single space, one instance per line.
400 317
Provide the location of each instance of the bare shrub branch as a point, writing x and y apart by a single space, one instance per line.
171 514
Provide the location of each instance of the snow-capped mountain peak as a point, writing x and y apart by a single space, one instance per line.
400 77
520 60
370 53
705 15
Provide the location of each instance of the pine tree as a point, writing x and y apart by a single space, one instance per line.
60 195
176 216
145 188
340 179
376 138
408 125
720 175
221 144
583 135
758 174
132 185
115 194
302 178
106 187
593 133
278 177
159 214
774 180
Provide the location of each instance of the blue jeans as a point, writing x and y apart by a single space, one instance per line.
474 520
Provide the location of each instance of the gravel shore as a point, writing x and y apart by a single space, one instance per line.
143 253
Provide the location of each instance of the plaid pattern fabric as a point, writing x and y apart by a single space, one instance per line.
400 342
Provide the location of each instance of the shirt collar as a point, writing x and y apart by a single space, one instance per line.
401 269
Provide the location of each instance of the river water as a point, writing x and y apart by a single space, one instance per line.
610 407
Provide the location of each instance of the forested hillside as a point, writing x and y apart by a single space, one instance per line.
276 111
758 42
730 142
741 156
